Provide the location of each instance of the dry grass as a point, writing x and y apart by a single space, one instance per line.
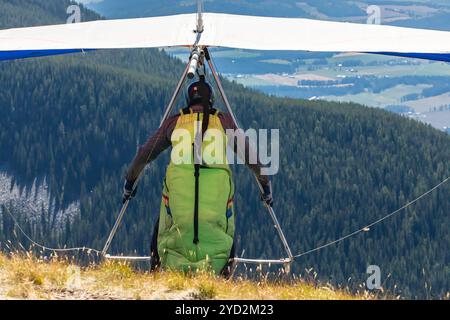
23 276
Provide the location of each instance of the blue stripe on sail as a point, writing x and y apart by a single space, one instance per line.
23 54
428 56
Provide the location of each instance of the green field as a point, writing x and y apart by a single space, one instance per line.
422 69
390 96
311 67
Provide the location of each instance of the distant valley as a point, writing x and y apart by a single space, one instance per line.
414 88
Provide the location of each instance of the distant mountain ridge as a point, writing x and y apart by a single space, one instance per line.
413 13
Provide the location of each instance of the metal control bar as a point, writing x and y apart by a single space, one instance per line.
287 262
124 208
197 56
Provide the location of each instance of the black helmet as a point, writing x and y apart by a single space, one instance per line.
199 92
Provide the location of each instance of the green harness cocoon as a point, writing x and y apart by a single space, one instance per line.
202 241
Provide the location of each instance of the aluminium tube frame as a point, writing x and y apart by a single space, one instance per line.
127 202
286 262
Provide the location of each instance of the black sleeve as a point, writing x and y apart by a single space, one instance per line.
155 145
249 152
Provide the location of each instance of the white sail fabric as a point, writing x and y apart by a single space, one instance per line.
262 33
224 30
104 34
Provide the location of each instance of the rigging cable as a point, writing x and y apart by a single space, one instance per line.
366 228
45 248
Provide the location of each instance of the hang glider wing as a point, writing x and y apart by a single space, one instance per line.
224 30
260 33
156 32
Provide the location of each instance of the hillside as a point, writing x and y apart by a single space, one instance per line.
412 13
418 89
25 277
76 120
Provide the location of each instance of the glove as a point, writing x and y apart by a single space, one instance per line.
128 192
267 196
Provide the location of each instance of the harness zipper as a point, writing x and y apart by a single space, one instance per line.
197 183
197 178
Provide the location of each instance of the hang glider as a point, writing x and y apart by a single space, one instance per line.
225 30
200 31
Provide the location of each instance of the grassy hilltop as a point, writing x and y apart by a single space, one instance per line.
27 277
